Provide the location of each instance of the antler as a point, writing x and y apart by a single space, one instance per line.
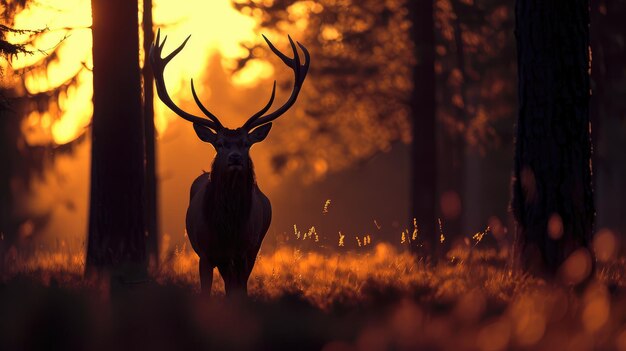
158 66
300 72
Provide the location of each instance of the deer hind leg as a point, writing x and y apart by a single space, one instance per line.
235 278
251 260
206 276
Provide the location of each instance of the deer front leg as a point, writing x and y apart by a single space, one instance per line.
206 276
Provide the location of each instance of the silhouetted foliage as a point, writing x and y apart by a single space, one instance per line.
7 49
356 102
22 162
360 63
11 7
476 56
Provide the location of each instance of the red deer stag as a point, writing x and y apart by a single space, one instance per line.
228 215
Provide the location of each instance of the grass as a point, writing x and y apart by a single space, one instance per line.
368 298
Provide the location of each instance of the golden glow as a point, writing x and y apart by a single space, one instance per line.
215 26
255 70
67 127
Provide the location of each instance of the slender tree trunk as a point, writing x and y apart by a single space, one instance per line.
598 77
6 196
10 138
552 186
116 240
148 112
423 105
454 195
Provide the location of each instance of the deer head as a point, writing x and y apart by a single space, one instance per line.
232 145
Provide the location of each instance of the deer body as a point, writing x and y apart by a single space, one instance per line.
226 222
228 215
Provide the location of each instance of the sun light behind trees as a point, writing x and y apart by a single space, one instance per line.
61 67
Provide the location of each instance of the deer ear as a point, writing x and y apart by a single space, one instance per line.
260 133
205 134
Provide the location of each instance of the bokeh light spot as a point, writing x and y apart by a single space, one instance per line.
555 227
450 203
494 336
605 245
597 308
576 267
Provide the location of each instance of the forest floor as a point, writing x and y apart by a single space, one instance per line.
375 299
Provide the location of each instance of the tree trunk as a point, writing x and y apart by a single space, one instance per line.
7 148
148 112
11 112
608 113
116 240
552 187
423 106
453 198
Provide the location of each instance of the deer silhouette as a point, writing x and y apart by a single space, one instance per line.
228 215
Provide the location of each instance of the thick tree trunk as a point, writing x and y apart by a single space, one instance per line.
116 218
148 112
608 113
552 187
423 105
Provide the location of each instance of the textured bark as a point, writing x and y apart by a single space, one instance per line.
552 172
423 106
150 135
608 113
116 218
